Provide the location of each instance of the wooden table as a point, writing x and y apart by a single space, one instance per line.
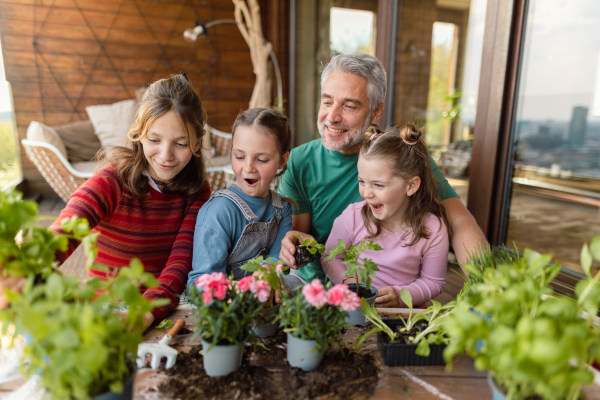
463 382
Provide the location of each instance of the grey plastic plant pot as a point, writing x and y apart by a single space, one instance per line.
300 353
126 394
268 329
355 317
221 360
497 394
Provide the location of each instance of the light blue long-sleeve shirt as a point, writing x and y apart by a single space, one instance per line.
219 226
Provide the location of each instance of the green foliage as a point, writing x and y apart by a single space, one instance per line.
311 245
487 257
164 324
36 253
81 347
304 321
226 321
361 272
10 168
267 271
532 347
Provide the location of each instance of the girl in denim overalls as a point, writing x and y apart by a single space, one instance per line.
248 219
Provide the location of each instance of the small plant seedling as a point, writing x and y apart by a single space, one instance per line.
306 250
361 272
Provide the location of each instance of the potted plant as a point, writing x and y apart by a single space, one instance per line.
267 273
305 251
535 345
361 272
225 312
416 340
80 347
313 318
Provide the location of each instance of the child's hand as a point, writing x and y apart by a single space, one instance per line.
388 298
288 247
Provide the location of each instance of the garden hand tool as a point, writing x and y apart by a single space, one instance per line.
160 349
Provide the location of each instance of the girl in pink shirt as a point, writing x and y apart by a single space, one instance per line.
401 212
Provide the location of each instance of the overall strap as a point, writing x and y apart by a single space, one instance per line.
237 200
276 200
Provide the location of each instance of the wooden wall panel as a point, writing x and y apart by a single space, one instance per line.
64 55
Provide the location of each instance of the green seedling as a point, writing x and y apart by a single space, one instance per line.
362 272
164 324
311 245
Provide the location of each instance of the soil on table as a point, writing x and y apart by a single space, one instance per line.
265 374
303 256
417 328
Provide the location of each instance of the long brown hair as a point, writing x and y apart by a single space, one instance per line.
273 123
172 94
406 152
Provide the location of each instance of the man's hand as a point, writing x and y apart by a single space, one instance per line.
12 283
288 247
387 298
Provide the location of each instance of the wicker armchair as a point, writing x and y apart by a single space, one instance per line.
219 172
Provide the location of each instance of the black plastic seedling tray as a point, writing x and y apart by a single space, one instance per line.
395 354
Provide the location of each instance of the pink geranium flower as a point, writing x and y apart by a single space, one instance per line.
350 301
336 294
216 284
244 283
315 293
279 267
261 290
207 297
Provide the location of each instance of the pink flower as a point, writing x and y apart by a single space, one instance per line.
244 283
207 297
336 294
315 293
261 290
279 268
350 301
215 284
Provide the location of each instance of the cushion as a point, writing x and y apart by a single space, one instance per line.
43 133
112 121
80 140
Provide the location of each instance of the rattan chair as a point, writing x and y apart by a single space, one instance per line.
219 170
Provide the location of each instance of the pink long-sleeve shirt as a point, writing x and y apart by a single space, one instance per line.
420 268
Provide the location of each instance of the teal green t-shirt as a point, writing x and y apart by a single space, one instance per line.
323 183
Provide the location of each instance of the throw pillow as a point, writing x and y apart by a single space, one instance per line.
112 122
43 133
80 140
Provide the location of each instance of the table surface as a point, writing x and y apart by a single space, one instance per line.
463 382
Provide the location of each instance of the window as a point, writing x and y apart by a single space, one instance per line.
10 163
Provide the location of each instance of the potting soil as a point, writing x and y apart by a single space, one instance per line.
265 374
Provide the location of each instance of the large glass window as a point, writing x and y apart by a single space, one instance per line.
10 163
438 59
352 31
555 194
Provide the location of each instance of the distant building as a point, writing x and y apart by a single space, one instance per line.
578 126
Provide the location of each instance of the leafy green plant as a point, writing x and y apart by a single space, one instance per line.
430 335
271 272
311 245
533 348
225 309
80 347
486 257
362 272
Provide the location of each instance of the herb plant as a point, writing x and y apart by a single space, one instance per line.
362 272
80 346
225 309
318 314
533 348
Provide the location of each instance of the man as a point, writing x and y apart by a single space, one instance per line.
322 174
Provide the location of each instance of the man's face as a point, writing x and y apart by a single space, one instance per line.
344 112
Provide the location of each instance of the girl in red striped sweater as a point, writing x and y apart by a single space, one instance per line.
145 198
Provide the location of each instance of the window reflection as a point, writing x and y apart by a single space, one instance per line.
352 31
555 199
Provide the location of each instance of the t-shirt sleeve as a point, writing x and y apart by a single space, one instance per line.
434 264
213 238
290 183
172 279
343 228
284 227
445 191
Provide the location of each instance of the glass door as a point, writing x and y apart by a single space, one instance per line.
554 182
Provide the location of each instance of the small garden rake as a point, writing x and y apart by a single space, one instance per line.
160 349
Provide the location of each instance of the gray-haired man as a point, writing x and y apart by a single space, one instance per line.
322 175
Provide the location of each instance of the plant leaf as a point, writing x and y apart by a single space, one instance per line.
586 259
165 324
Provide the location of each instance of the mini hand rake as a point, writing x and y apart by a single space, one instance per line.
160 349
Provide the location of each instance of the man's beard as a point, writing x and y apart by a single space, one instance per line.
353 137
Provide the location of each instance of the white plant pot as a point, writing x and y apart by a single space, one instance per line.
300 353
221 360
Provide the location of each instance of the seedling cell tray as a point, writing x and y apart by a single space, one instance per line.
395 354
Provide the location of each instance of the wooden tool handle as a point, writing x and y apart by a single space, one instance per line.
177 327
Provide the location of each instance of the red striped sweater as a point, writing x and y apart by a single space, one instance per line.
158 230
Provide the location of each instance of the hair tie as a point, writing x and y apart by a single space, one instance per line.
409 143
373 136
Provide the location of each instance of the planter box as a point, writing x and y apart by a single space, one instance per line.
395 354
